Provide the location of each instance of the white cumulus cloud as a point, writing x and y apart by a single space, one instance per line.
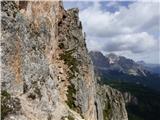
137 16
132 30
136 43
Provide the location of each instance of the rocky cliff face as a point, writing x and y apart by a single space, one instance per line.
46 70
130 99
112 62
112 103
99 60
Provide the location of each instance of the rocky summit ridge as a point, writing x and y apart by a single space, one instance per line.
113 62
47 73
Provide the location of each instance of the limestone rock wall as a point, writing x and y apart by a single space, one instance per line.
112 103
45 66
46 71
29 74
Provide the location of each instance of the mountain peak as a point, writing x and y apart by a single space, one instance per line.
117 63
111 54
141 62
96 52
98 59
113 58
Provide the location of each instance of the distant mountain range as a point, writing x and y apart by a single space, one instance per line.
153 68
114 67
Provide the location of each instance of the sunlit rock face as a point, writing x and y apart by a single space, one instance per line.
112 103
29 73
47 73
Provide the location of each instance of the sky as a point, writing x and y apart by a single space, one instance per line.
126 28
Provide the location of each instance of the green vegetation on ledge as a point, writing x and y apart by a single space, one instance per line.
9 104
106 111
70 117
70 60
5 109
71 92
71 96
72 63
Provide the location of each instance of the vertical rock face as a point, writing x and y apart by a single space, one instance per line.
46 70
112 103
29 73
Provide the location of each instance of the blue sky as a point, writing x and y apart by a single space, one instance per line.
126 28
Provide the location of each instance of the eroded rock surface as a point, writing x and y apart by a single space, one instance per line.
112 103
46 70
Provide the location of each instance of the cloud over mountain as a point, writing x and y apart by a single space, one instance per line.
131 19
136 43
131 28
